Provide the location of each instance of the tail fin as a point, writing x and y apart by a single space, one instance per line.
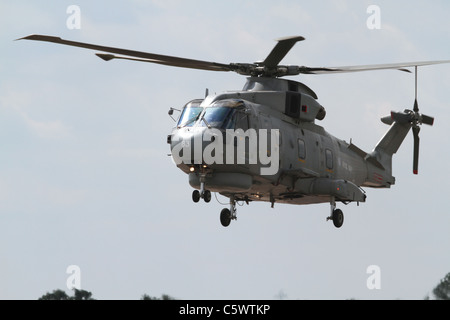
391 142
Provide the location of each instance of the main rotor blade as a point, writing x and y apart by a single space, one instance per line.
109 57
281 49
149 57
398 66
416 131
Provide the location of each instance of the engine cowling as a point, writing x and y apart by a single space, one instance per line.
303 107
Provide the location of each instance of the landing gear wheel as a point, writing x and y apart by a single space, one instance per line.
225 217
338 218
207 196
196 196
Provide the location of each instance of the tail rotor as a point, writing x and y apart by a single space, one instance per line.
416 119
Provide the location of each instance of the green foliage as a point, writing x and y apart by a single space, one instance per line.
163 297
59 294
442 290
55 295
62 295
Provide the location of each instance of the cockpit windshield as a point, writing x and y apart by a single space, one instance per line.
217 117
221 114
190 114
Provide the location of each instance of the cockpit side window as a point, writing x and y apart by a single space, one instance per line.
190 114
230 121
241 121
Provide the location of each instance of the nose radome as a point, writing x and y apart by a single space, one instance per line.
188 144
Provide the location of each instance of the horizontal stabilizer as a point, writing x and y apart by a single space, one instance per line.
387 120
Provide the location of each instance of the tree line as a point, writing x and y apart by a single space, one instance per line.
440 292
59 294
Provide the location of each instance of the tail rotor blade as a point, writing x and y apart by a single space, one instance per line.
427 120
416 106
416 131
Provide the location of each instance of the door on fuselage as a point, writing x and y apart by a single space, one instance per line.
310 151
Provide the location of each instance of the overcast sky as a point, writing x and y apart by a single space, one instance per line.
85 178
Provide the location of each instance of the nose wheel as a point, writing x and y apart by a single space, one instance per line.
205 195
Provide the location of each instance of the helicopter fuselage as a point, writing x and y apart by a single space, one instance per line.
311 164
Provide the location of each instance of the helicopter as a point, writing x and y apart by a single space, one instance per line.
262 143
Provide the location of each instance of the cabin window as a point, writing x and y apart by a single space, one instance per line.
301 149
329 159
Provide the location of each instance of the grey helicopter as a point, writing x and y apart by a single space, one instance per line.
263 143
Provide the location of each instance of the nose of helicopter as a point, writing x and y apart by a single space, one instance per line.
188 145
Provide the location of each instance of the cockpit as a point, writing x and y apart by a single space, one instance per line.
190 113
223 114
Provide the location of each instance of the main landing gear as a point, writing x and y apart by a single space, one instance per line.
226 215
336 214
